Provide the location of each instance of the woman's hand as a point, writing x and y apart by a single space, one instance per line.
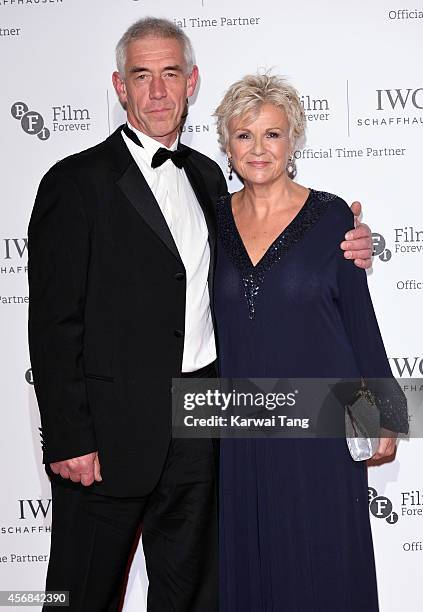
387 445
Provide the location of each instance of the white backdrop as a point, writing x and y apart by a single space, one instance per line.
357 66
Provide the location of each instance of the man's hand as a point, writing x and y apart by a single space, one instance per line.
84 469
358 243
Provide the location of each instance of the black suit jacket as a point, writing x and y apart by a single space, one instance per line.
107 310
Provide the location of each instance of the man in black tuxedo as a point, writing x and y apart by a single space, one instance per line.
121 252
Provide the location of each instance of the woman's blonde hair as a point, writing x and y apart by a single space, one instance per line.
246 96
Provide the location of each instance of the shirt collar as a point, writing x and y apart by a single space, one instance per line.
150 145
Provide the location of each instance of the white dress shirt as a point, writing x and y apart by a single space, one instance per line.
185 218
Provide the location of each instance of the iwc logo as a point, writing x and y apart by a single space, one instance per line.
32 122
34 508
408 367
397 107
34 516
15 251
379 248
381 507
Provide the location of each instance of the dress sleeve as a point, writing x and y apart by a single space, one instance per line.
359 319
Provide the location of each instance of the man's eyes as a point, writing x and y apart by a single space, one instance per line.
166 75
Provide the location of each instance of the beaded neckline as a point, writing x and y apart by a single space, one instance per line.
253 276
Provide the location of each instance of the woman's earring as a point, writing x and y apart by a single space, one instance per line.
230 168
291 167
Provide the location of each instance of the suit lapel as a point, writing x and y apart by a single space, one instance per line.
135 188
137 191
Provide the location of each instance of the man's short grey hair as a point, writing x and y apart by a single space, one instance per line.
247 96
152 27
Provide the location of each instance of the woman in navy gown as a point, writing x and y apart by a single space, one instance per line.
294 525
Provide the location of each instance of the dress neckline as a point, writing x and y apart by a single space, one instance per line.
295 220
316 204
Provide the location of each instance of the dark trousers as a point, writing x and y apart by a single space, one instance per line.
92 538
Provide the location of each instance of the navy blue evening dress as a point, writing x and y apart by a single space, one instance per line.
294 523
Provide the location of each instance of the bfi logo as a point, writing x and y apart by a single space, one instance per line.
379 247
381 507
32 122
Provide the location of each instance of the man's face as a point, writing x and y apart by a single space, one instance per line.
155 87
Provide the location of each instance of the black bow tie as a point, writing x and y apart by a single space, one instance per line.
161 155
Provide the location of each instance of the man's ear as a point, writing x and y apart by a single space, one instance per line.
192 81
120 88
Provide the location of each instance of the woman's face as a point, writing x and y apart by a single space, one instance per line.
260 148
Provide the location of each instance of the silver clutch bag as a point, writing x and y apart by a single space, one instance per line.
362 425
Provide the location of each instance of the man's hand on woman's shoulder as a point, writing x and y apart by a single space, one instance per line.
358 243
